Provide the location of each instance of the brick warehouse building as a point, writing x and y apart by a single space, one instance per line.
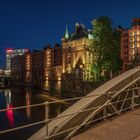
51 63
124 48
130 44
38 65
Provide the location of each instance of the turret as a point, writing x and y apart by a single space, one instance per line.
66 33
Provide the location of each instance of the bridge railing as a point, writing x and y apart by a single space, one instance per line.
47 119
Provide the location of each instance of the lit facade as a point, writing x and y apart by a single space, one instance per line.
53 62
47 54
134 38
10 53
130 43
125 48
76 58
28 67
73 57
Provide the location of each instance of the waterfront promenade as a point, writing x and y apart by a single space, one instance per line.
125 127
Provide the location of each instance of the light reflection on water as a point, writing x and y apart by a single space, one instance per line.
53 86
18 97
28 102
9 106
13 118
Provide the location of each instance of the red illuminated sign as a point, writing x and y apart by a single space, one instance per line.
9 50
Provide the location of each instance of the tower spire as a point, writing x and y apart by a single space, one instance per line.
66 33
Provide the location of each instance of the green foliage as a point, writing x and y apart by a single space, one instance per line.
116 62
105 47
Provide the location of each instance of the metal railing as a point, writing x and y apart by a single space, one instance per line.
47 119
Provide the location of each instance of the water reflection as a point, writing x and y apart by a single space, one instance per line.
20 97
10 116
54 87
28 102
46 85
9 106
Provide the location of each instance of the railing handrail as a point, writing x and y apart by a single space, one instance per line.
62 100
23 107
69 129
58 117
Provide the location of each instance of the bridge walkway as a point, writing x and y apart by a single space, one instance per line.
124 127
75 117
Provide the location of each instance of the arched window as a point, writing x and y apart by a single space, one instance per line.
69 49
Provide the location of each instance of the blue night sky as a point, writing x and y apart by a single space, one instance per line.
33 23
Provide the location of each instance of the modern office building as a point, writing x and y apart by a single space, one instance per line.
10 53
17 68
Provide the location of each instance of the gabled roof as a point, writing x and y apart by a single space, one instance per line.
81 31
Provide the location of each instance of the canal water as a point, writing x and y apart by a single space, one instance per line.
15 97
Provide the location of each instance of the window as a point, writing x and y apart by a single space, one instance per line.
69 49
131 45
69 59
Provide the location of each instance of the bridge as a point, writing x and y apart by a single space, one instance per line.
124 127
115 97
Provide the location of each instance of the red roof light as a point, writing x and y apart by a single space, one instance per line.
9 50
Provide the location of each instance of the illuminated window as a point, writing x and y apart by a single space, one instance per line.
48 52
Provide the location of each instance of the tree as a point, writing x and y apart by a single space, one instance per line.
116 62
104 46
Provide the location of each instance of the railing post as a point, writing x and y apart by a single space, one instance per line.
47 117
133 99
109 96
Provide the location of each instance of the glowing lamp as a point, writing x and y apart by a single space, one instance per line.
59 79
81 66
